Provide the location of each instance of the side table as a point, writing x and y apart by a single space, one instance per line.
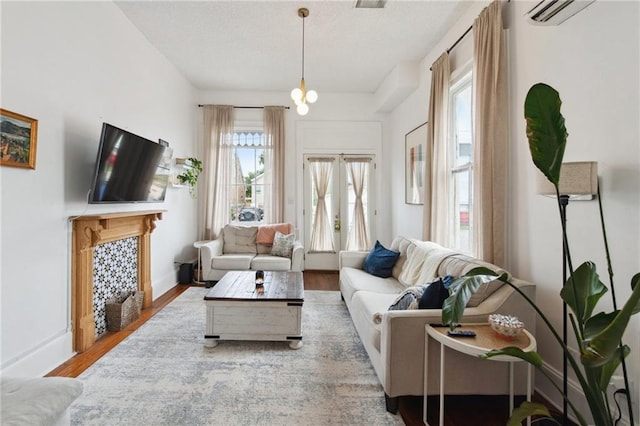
198 245
484 341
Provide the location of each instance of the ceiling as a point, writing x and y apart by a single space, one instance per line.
256 45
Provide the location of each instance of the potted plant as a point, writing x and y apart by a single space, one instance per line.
599 336
189 177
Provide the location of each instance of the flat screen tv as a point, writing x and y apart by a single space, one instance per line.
129 169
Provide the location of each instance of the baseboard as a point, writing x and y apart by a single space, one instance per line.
576 396
41 360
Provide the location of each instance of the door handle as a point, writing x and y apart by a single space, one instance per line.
336 224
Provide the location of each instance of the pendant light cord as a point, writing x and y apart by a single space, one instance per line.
303 17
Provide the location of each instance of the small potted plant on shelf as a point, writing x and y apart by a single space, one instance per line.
189 177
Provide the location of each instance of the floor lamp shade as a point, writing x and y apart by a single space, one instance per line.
578 180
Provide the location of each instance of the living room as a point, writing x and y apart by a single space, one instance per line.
75 65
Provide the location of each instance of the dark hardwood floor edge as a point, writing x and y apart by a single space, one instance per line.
74 366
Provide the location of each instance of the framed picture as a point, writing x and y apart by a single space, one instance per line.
18 144
414 164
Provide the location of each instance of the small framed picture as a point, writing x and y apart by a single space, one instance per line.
19 134
415 162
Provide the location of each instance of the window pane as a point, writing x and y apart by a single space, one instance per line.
462 126
247 180
462 210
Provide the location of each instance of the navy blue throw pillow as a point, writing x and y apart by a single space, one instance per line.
380 261
435 294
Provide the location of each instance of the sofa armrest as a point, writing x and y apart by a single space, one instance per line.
207 252
351 259
297 256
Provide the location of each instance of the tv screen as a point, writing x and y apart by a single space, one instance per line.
129 168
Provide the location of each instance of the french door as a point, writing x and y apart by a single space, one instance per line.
338 207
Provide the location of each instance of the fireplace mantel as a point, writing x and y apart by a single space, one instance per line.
90 231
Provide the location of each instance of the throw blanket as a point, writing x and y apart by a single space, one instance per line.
267 232
423 260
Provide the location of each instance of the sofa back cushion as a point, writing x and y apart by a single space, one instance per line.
266 233
459 264
401 245
239 239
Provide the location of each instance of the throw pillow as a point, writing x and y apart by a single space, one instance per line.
380 261
435 294
408 299
282 244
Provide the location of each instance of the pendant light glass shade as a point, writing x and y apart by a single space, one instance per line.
300 95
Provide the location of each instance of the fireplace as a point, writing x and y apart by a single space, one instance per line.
94 230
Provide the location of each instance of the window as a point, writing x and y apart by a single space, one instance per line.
247 183
461 164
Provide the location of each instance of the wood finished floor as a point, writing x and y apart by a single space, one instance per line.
459 411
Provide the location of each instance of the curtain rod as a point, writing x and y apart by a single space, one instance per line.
460 38
240 107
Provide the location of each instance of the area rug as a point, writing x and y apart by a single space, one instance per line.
164 375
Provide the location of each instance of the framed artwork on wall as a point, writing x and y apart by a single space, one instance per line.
414 164
18 140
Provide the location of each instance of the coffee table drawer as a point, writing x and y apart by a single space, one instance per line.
254 321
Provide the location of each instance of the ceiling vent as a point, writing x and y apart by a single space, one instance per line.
370 4
555 12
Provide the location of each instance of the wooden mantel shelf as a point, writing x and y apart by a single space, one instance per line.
90 231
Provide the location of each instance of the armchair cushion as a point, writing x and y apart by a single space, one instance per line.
282 244
239 239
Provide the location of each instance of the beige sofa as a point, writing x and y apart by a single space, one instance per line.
241 248
394 340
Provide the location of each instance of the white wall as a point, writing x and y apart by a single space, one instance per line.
72 66
593 61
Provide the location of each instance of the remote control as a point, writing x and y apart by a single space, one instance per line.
461 333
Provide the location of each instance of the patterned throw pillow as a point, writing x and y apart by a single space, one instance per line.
408 299
282 244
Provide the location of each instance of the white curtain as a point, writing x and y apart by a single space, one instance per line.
321 231
358 238
435 224
218 162
490 135
274 164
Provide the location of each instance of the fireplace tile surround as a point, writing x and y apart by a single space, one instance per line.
88 233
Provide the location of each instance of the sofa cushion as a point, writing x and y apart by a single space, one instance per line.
380 261
267 262
266 233
435 294
408 299
460 264
353 280
239 239
232 262
401 245
282 244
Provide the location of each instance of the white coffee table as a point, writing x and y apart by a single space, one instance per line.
237 310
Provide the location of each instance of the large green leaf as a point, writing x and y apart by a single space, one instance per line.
545 130
531 357
599 349
461 290
527 409
607 370
584 284
634 282
597 323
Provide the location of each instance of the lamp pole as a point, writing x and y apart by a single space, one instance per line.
564 202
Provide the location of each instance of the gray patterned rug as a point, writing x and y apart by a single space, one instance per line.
163 375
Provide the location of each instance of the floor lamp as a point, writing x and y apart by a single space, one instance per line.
578 182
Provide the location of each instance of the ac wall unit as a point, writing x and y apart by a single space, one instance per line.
555 12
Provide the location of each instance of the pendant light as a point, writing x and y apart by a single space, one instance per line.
300 95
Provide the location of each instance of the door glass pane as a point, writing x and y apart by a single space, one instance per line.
321 206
